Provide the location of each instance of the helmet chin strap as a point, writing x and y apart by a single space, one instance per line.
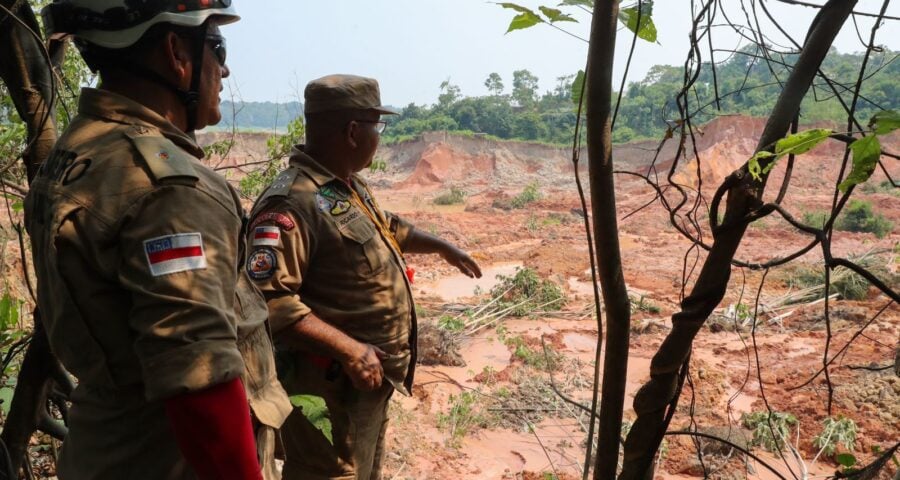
189 98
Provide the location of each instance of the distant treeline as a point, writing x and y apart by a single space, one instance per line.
747 84
259 115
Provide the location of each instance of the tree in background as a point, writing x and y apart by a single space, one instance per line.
494 84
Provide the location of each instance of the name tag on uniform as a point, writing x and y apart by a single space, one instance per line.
266 236
175 253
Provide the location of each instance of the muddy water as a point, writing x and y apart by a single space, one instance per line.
457 287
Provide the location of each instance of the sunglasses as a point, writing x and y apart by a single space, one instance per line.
217 43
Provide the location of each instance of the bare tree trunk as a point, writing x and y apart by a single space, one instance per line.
744 195
606 235
27 71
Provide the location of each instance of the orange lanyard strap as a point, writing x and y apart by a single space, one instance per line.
376 218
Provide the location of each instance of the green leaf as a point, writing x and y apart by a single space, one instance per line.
885 122
316 411
578 87
866 152
801 142
6 396
753 165
6 305
556 15
629 17
575 3
17 206
523 21
845 460
516 7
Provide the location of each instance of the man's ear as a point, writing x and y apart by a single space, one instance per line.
176 52
351 132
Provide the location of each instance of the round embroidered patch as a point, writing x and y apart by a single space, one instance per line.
261 264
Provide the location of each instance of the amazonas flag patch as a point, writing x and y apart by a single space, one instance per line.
175 253
266 236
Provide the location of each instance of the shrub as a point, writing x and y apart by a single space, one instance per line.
455 196
815 219
834 431
530 194
528 292
859 217
465 414
770 431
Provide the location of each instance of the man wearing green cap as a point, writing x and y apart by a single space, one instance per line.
329 262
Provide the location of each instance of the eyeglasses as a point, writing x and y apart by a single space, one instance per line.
380 125
217 43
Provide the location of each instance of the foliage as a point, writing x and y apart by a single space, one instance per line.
859 217
643 305
451 324
530 194
316 411
466 413
533 357
526 292
455 196
11 332
770 431
840 430
278 146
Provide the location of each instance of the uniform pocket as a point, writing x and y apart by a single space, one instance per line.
364 245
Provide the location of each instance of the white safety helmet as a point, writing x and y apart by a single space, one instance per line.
117 24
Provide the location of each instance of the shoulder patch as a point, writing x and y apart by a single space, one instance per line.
163 158
279 219
175 253
270 236
261 263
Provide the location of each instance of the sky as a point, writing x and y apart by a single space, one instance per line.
411 46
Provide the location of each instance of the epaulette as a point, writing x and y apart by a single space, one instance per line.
164 159
281 186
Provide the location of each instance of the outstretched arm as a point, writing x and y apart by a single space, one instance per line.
423 242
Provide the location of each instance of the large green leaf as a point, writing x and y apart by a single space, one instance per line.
524 20
555 15
575 3
578 87
801 142
629 17
316 411
885 122
797 143
866 152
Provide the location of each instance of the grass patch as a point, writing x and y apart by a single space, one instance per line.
455 196
859 217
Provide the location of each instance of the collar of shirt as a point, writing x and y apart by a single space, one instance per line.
120 109
319 174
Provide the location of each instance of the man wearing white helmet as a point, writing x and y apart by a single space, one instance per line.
138 250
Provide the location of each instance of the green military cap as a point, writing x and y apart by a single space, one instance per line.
340 92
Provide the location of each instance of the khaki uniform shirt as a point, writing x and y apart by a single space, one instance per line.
138 249
318 246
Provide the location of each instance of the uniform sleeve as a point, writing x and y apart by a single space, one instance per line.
279 246
400 228
180 260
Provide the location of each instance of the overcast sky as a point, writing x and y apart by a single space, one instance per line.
411 46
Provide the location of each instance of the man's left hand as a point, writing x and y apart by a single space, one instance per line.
462 261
